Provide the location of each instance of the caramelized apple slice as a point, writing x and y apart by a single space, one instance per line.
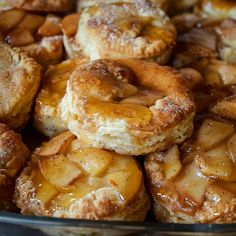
19 37
93 160
231 145
144 98
74 145
59 171
80 190
31 22
51 26
192 184
125 182
216 163
69 24
56 145
212 132
226 107
45 191
9 19
172 164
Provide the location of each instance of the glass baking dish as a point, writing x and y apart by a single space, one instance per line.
15 224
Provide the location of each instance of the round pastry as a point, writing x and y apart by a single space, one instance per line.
88 3
196 183
216 9
41 5
19 81
13 154
36 34
66 180
47 115
130 106
123 30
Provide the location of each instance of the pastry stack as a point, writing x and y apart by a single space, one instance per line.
136 101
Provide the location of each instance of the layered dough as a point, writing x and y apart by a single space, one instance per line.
41 5
13 154
47 119
195 183
63 179
130 106
40 36
122 30
19 81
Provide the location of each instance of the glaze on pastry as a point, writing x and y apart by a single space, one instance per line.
130 106
66 180
195 183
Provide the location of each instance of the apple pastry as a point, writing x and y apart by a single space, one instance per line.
41 5
122 30
40 36
20 77
47 118
64 179
129 106
195 183
13 154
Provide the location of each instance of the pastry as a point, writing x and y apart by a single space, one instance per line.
129 106
19 81
125 30
195 183
47 118
41 5
66 180
13 154
39 36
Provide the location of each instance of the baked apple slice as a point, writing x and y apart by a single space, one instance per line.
56 145
59 171
212 133
172 164
10 19
94 161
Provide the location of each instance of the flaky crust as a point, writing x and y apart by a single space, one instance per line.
134 30
91 106
13 154
42 5
47 118
20 77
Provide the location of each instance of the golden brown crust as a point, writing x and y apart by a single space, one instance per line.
97 106
20 78
91 195
41 5
13 154
134 30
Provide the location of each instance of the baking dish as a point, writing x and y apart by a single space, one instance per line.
16 224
